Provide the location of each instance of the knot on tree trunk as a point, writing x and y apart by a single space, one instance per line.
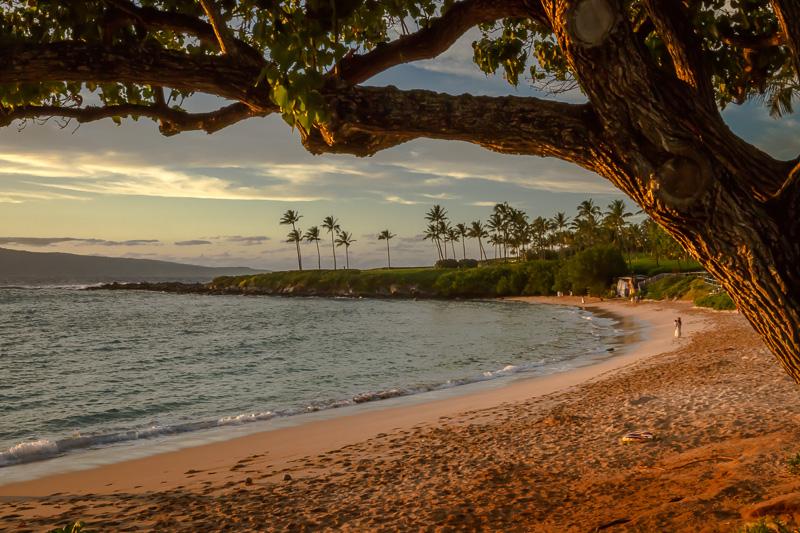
683 177
590 22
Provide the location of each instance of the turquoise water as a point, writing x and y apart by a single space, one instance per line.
82 369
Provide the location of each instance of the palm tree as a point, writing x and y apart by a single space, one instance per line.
387 235
332 225
295 236
477 231
345 239
438 215
614 221
495 223
585 224
452 236
588 209
539 228
463 232
431 233
443 236
505 214
560 222
312 235
293 217
495 239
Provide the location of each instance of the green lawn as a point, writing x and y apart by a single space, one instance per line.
646 265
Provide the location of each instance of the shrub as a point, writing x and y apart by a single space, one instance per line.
467 263
446 263
720 301
540 277
593 269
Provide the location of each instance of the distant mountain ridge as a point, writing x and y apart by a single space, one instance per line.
55 268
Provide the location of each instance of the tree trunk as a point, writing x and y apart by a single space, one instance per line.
333 247
729 204
464 245
319 256
388 255
299 259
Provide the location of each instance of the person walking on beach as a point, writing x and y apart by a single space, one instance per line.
678 325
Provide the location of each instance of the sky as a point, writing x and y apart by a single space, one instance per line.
127 191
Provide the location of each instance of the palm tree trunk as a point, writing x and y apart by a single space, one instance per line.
453 247
297 244
347 257
319 256
299 259
333 247
388 255
464 245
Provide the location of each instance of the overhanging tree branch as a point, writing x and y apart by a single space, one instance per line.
366 120
432 40
81 62
172 121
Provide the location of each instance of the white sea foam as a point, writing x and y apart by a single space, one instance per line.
28 451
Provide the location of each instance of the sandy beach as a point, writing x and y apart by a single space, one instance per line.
540 454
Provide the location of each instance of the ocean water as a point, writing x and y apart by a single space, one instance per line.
84 369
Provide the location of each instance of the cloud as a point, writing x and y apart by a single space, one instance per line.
194 242
18 197
246 240
393 199
35 241
440 196
115 174
47 241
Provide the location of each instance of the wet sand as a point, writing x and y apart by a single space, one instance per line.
540 454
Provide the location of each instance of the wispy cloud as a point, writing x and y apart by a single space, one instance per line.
113 174
193 242
440 196
48 241
393 199
245 239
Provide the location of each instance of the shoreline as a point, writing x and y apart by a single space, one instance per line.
317 436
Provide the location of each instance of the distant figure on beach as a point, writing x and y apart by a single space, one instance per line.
678 325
